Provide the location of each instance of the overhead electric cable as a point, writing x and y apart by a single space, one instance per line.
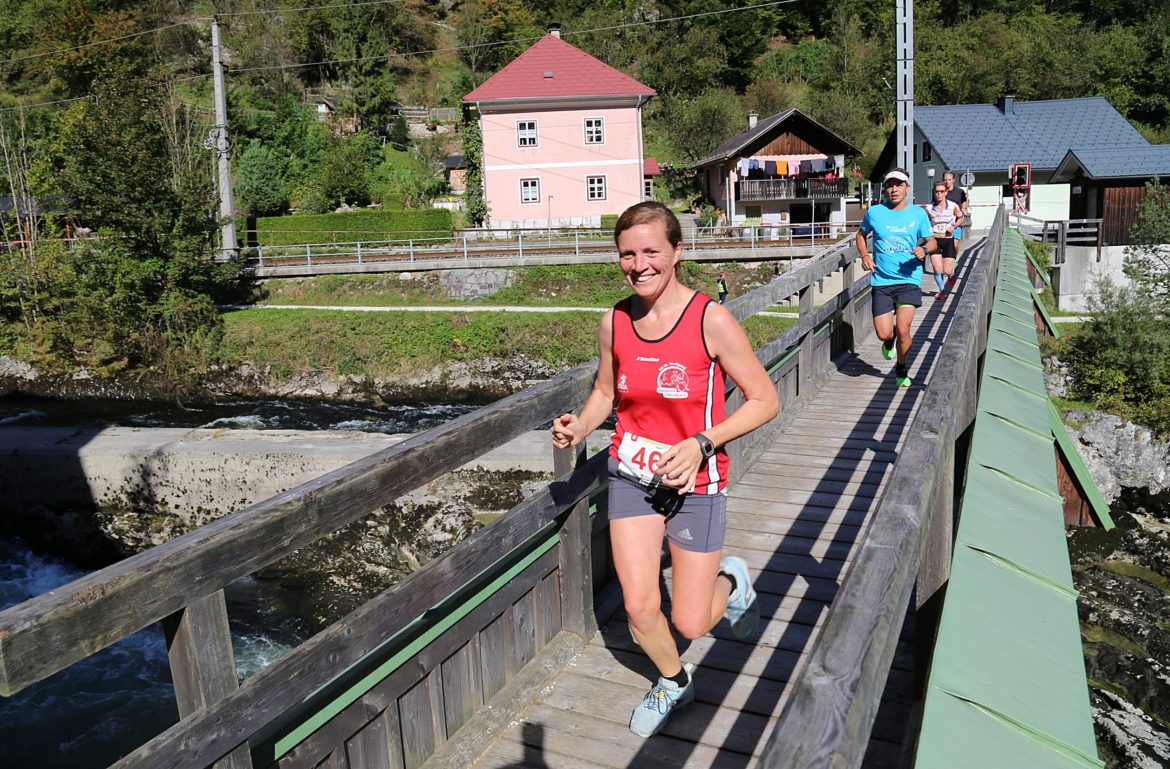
564 33
99 42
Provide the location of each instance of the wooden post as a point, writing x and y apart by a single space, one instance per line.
203 666
806 342
849 313
576 558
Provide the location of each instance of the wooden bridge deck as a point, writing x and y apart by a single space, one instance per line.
797 516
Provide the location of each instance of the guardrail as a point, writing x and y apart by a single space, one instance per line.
906 551
521 243
459 645
1062 233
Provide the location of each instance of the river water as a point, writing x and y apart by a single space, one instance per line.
96 711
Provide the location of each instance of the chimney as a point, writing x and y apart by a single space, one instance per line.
752 118
555 30
1006 104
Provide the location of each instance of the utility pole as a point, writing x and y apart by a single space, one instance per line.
218 141
904 47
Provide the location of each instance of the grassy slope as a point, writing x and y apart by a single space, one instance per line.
386 344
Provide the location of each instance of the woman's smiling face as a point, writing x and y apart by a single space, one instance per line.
647 258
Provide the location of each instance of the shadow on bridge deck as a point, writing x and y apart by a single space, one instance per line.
797 517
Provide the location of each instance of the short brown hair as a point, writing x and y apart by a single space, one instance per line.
646 212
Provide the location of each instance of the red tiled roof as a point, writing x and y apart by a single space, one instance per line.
574 73
650 167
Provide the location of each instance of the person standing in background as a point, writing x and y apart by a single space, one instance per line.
721 285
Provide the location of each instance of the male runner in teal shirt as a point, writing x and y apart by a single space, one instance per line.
901 240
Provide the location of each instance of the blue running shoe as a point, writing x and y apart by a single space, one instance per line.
743 611
888 350
650 716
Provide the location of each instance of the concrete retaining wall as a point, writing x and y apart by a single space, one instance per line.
196 474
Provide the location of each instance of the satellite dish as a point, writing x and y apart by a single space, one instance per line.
967 179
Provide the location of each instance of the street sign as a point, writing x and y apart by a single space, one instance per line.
967 179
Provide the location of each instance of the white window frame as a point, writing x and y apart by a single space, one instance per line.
527 133
648 189
527 185
598 127
589 186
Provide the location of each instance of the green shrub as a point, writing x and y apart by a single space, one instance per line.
1120 359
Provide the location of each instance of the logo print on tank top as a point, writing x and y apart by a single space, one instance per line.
673 381
623 385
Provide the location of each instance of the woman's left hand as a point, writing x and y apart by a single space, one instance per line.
680 465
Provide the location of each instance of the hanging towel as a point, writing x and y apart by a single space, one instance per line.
742 167
806 166
782 168
753 164
769 168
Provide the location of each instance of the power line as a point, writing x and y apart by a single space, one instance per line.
646 22
100 42
564 33
192 20
306 8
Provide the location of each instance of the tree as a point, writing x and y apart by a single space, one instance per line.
1147 261
493 32
260 187
701 123
473 197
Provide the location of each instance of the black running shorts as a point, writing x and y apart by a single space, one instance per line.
886 298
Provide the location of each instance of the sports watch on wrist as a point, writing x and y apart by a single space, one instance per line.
705 445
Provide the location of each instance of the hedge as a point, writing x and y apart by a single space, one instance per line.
351 226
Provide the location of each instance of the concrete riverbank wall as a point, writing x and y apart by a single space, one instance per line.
195 473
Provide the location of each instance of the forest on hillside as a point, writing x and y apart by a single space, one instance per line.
105 107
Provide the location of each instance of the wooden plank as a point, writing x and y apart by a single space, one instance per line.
488 723
793 480
801 497
495 645
329 653
421 722
462 685
510 754
765 543
548 608
203 663
780 527
563 734
609 704
831 710
523 631
335 760
576 564
789 511
374 746
52 631
383 695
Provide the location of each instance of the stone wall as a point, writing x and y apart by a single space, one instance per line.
472 284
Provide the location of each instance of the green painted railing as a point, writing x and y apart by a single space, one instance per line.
1007 686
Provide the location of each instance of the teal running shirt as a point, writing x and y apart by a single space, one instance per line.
895 234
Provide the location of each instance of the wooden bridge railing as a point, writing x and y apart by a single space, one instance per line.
907 550
459 643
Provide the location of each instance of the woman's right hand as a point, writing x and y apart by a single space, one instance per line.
566 431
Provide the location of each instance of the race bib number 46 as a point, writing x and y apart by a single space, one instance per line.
638 458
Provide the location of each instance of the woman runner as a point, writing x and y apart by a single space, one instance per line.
663 355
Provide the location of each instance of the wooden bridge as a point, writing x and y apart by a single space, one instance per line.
511 650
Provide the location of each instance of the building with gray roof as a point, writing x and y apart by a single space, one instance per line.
1066 142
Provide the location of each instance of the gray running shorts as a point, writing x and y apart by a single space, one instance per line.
695 522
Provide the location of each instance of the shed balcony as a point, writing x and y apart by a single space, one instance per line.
789 189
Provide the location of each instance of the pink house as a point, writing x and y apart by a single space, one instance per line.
562 138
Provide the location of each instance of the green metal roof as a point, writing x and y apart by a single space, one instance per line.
1007 685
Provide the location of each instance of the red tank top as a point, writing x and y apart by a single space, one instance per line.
670 388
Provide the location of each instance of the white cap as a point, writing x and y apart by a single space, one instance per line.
898 175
